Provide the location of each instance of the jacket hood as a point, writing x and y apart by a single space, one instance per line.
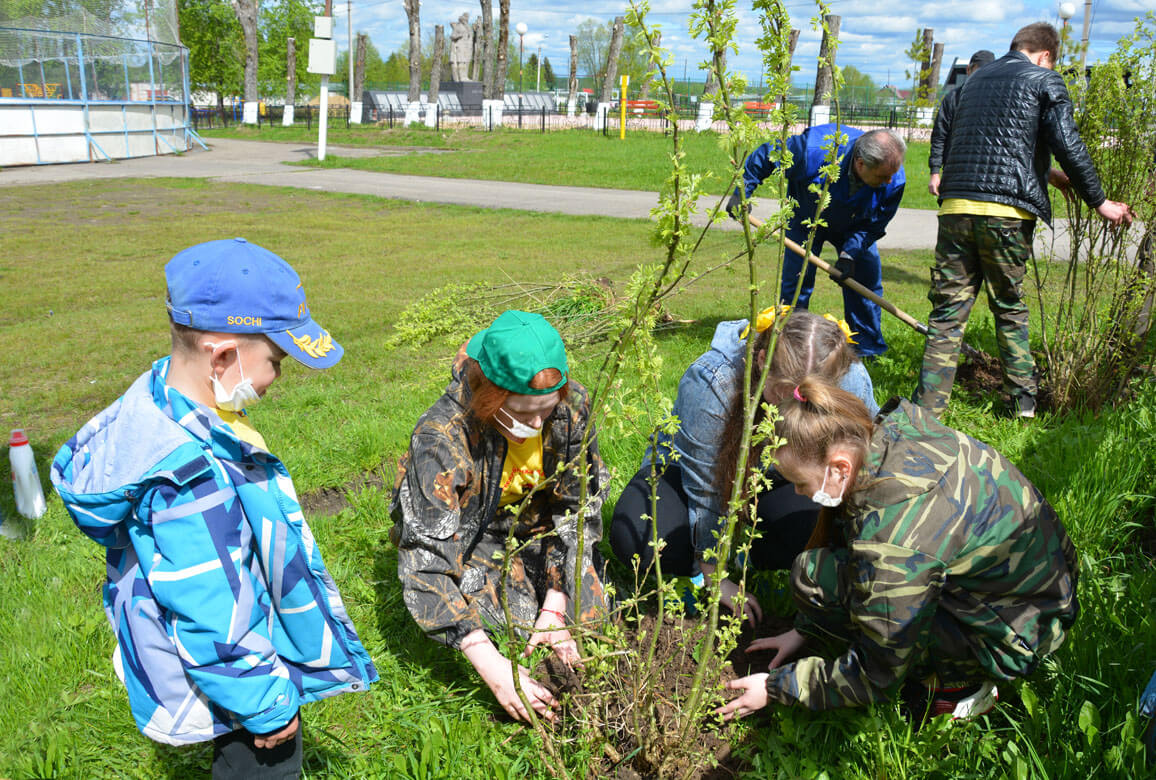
900 465
102 470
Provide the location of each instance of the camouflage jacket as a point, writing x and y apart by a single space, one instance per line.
447 521
949 553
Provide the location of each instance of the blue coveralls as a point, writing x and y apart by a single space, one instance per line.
854 223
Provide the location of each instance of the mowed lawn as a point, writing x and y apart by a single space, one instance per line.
83 315
581 158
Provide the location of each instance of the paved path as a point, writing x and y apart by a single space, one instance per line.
256 162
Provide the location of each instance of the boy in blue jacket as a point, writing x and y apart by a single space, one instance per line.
225 616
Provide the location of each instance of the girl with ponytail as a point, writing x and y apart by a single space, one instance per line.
936 565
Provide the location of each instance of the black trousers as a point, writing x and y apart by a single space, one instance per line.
785 520
235 757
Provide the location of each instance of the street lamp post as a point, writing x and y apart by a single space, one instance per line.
521 29
538 82
1067 11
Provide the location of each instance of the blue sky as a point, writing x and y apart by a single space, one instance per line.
874 33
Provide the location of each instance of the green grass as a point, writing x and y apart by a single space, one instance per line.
580 158
84 315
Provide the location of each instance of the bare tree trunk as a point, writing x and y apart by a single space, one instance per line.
503 49
644 93
823 79
487 49
435 71
612 56
712 82
933 74
246 11
476 57
413 14
359 68
792 42
925 66
291 67
572 83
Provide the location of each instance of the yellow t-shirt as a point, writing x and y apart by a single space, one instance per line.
243 427
982 208
521 470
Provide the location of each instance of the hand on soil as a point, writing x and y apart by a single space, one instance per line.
753 698
752 611
501 682
785 645
548 632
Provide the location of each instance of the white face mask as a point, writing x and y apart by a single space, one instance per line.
517 428
823 498
243 394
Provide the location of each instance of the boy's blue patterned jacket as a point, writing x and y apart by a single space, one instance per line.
224 614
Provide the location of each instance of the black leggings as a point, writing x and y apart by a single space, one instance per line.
785 519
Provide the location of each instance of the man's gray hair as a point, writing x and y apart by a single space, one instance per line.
880 147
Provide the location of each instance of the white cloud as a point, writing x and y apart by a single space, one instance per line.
874 34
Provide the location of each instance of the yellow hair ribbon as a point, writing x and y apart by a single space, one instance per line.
767 318
843 326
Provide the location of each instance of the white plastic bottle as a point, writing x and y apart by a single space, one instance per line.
25 478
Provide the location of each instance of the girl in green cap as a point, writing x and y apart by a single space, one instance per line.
483 461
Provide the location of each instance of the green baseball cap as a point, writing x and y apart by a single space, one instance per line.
517 346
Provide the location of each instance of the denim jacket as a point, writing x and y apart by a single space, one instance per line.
704 396
224 614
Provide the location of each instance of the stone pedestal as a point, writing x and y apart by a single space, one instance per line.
600 115
492 113
705 117
412 113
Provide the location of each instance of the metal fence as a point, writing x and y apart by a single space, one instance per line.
70 96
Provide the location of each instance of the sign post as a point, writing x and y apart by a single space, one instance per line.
622 108
323 60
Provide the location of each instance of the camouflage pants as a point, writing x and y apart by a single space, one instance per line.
972 251
823 592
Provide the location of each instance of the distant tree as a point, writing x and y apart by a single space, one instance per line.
279 21
210 30
920 55
531 71
502 49
858 87
378 72
548 79
594 49
246 11
593 46
413 14
427 60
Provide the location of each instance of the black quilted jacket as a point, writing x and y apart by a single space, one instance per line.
1012 116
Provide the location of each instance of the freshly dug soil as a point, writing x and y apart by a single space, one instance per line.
677 640
980 374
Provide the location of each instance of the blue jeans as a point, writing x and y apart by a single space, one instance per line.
861 314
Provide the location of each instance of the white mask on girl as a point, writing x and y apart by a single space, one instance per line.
517 428
823 498
242 395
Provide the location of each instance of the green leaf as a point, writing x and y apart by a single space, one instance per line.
1089 721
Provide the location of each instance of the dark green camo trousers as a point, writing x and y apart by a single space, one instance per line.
970 251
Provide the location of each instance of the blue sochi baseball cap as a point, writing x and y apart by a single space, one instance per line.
232 286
